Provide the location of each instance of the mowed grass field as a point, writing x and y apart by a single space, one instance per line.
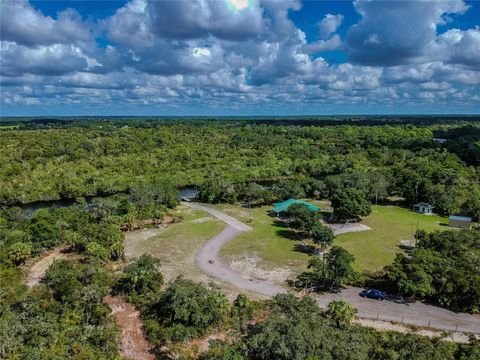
373 249
176 244
376 248
273 245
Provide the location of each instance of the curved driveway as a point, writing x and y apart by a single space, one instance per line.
419 314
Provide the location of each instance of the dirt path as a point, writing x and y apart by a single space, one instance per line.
385 325
36 272
132 342
417 314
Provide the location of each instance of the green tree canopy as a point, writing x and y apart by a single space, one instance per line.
141 277
350 204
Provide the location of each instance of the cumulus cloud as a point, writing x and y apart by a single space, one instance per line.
333 43
458 47
129 26
198 18
397 32
329 25
237 54
24 25
42 60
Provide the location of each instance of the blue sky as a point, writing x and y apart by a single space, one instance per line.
239 57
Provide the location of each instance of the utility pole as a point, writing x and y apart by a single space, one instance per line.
416 235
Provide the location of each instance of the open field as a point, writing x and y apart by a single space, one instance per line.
176 244
389 225
270 246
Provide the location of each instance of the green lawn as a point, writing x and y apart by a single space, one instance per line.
389 225
373 249
176 245
270 242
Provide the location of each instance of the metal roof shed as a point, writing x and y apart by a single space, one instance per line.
463 222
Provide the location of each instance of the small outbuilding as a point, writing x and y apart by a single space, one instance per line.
462 222
423 208
283 206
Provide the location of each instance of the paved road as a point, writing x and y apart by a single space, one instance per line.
209 260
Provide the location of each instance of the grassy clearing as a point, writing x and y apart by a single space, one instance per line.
272 244
373 249
176 245
377 247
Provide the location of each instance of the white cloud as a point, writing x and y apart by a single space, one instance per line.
199 18
333 43
199 52
397 32
21 23
329 25
42 60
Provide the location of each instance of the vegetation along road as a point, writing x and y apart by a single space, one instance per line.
417 313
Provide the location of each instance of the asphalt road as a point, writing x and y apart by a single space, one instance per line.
419 314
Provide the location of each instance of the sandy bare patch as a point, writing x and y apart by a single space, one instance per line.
133 344
385 325
347 228
202 219
36 268
252 266
202 344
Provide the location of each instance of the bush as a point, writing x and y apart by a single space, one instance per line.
141 277
341 312
19 252
97 251
192 305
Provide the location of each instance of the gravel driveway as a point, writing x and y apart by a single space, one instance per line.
417 313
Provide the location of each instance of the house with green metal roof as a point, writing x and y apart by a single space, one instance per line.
283 206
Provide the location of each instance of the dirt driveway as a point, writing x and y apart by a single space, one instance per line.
133 345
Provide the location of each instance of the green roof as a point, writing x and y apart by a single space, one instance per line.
284 205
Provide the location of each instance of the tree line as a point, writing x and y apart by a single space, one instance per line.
224 158
94 228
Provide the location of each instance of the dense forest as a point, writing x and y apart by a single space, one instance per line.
131 171
101 158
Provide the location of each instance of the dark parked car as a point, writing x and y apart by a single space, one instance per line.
373 294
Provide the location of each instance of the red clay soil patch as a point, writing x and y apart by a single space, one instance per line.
133 344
